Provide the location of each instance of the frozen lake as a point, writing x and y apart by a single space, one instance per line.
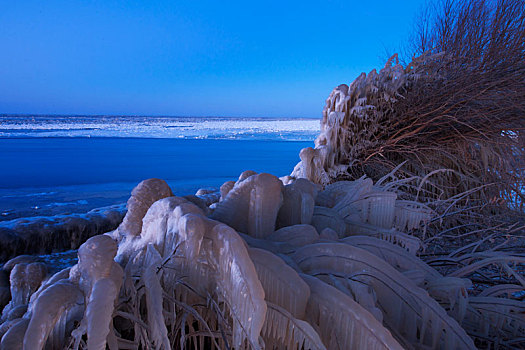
64 166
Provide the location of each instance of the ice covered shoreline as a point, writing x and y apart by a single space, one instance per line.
49 234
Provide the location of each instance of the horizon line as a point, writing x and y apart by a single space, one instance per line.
143 115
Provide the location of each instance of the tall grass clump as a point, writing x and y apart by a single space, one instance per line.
457 120
465 109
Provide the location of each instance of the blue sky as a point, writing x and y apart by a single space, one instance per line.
191 58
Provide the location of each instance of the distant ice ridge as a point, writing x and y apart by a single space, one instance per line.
289 129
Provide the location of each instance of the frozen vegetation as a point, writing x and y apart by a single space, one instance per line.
403 228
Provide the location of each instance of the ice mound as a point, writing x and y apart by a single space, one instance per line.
234 279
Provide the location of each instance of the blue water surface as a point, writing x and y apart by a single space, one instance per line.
46 176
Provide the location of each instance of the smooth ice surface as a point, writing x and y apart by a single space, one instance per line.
49 176
50 162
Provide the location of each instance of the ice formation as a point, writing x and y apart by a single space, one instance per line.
43 235
252 204
24 281
170 276
349 122
343 323
296 235
404 307
142 197
298 203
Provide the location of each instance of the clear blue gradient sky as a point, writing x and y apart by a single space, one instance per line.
191 58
